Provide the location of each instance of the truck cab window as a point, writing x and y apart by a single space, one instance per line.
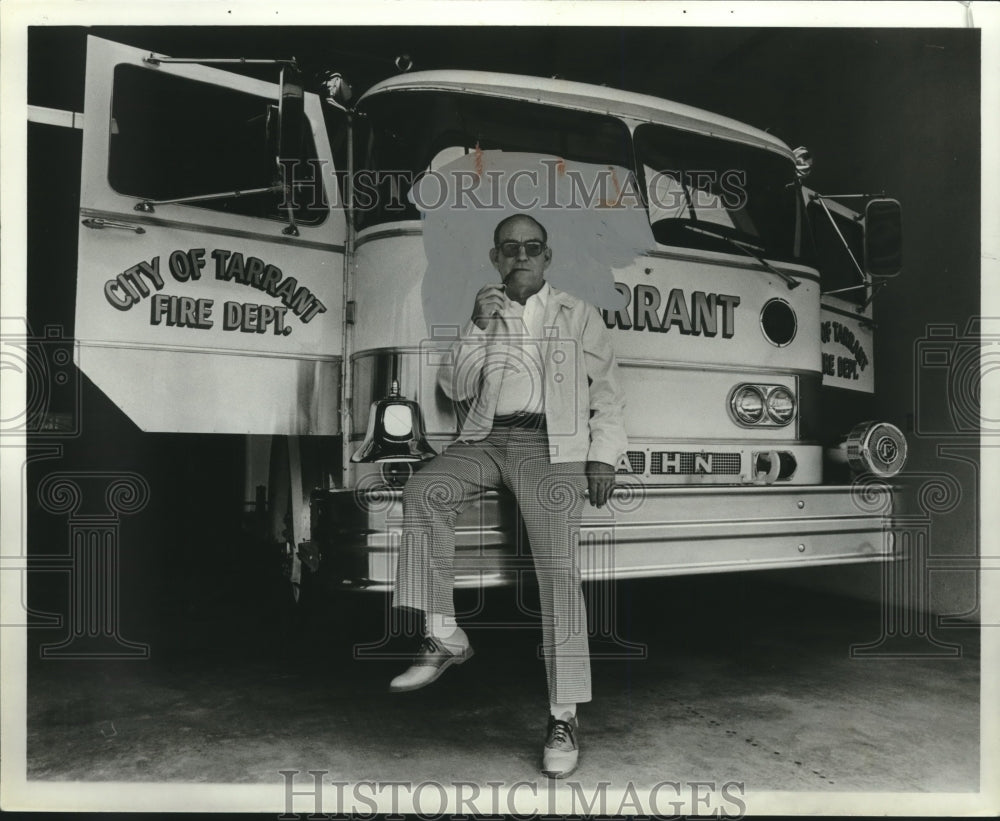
706 193
172 137
405 133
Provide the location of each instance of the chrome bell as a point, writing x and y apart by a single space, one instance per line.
395 431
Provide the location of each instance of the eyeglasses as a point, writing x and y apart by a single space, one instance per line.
511 248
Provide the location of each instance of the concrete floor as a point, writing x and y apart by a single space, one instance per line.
744 678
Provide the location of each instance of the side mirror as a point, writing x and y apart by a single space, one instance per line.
286 121
291 114
883 238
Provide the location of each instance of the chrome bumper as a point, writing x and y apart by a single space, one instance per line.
644 531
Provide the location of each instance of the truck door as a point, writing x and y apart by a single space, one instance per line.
197 312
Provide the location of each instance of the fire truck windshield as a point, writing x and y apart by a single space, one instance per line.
705 192
702 192
402 134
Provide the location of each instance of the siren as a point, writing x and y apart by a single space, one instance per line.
878 448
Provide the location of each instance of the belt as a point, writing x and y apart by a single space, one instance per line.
534 421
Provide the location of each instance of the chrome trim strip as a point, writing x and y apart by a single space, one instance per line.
740 370
395 349
647 571
387 233
659 533
278 238
727 490
507 578
131 346
651 443
709 530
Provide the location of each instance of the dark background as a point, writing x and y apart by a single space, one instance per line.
880 110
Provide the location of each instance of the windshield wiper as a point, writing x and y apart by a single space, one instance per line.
149 206
748 249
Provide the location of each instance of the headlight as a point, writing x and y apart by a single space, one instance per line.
748 404
757 405
781 406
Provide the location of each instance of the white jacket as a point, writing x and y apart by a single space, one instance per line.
583 399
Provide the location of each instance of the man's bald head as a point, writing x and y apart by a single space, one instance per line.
521 270
512 218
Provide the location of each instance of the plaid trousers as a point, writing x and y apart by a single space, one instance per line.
550 498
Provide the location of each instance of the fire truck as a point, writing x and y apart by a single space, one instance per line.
254 260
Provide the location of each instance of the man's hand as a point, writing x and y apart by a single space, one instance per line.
600 482
489 302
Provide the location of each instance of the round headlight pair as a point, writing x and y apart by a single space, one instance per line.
750 402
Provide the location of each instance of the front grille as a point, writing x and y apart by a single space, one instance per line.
676 463
637 460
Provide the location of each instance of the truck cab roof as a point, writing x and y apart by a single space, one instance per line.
582 96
